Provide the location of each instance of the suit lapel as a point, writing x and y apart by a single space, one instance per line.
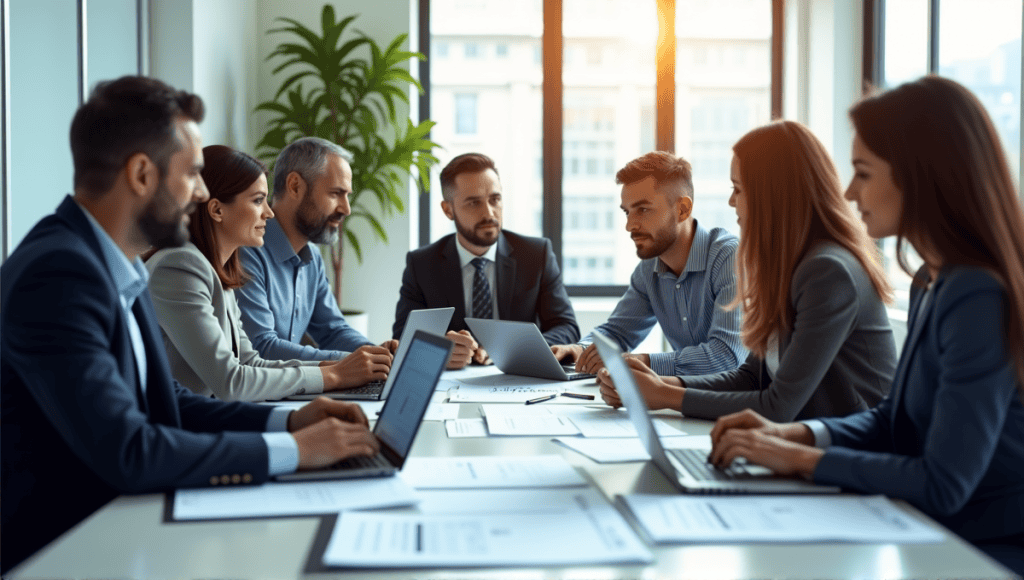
451 278
916 321
159 394
504 278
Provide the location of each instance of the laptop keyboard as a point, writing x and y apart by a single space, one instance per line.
570 371
362 462
370 388
696 463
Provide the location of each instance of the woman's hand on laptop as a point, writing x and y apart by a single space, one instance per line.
785 448
462 352
365 364
658 392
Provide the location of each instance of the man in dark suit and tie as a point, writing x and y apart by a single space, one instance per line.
89 408
482 271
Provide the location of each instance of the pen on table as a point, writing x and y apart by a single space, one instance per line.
578 396
540 399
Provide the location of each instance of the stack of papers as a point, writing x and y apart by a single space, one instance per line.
554 528
843 518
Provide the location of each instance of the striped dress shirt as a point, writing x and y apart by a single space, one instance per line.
705 338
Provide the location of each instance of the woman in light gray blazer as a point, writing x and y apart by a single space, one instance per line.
812 289
193 292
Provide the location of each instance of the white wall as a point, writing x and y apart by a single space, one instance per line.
373 285
210 47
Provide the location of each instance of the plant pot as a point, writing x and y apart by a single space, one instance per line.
358 320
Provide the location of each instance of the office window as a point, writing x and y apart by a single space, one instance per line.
471 50
609 112
465 113
723 90
441 49
490 105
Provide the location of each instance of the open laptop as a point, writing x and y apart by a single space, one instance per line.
518 348
399 420
688 469
430 320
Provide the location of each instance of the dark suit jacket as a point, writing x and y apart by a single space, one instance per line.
76 430
529 286
949 437
839 358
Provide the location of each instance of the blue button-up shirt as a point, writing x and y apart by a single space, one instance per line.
704 336
287 296
131 280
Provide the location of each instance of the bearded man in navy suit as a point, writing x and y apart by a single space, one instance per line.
89 408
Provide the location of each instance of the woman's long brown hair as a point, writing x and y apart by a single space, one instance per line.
794 199
959 199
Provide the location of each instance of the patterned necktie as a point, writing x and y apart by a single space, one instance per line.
482 307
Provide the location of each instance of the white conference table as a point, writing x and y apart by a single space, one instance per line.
131 538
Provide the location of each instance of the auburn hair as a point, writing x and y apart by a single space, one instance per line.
227 173
793 200
959 199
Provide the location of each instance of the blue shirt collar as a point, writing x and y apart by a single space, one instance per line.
697 259
280 248
130 277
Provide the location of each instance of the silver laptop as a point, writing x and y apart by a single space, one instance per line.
415 380
688 469
430 320
518 348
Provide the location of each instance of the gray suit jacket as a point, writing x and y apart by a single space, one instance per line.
839 359
201 325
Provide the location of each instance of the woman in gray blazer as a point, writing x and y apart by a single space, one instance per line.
193 292
812 289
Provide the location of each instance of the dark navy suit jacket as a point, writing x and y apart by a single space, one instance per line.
76 430
949 437
529 285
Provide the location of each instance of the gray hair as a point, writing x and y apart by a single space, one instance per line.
308 158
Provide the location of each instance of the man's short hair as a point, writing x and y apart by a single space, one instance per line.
465 163
664 167
307 157
123 117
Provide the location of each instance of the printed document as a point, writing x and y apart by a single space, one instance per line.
586 530
490 472
514 394
459 428
842 518
622 450
292 499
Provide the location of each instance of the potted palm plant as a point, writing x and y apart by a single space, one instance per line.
346 89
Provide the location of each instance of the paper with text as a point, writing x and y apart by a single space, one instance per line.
587 531
287 499
490 472
622 450
845 518
459 428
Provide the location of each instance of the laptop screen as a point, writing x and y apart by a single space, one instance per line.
414 385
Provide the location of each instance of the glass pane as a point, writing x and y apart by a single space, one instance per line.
485 72
723 89
980 47
906 41
608 120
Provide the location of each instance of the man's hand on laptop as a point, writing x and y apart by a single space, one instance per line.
589 361
462 352
481 357
327 431
566 353
365 364
391 345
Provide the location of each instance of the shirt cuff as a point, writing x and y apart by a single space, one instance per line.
822 438
278 419
282 453
663 363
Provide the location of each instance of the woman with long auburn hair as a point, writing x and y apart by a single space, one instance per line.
812 291
193 292
949 438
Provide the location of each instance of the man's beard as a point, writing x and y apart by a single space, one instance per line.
660 241
469 234
317 229
162 221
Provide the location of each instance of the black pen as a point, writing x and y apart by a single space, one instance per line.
540 399
578 396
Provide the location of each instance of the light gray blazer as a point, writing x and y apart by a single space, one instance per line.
839 358
208 350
